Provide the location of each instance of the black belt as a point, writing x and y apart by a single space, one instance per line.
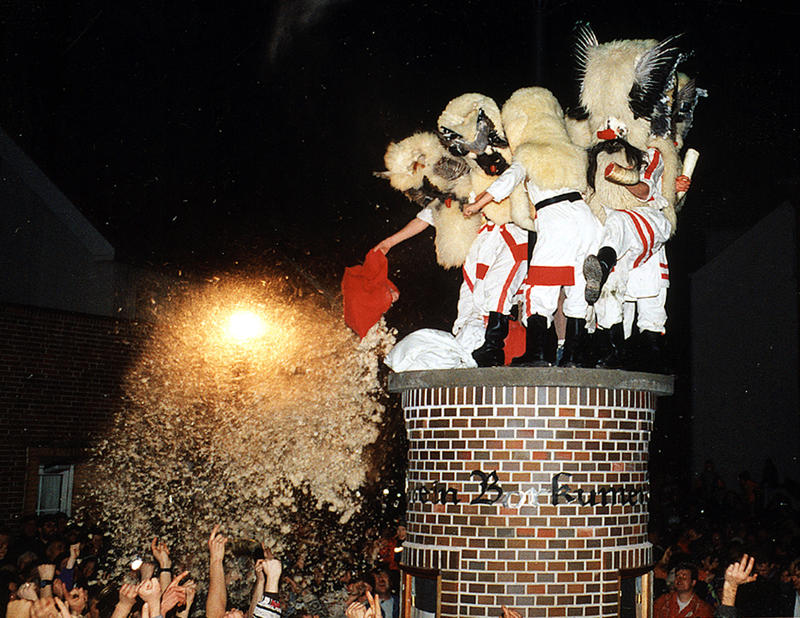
573 196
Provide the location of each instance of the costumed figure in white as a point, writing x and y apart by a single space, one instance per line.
553 172
636 115
429 176
422 169
496 264
491 252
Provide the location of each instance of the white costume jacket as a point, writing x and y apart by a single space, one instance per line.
567 232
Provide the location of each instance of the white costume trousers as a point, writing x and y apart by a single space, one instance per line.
566 232
641 275
493 272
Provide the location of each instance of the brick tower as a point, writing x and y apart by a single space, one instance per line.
529 487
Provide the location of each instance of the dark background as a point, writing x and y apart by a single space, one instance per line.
203 138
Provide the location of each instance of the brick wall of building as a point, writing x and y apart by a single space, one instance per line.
60 379
485 465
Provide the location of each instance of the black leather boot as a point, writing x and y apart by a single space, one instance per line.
540 344
612 347
576 344
652 356
596 269
490 354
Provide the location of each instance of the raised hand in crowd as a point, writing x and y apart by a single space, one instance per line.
174 595
737 574
47 573
63 610
146 571
510 613
190 589
268 576
28 591
77 599
358 610
258 589
374 610
127 599
45 608
74 552
150 593
160 552
217 597
272 569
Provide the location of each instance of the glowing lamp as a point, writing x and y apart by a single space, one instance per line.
245 325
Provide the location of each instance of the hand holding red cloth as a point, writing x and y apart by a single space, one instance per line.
367 292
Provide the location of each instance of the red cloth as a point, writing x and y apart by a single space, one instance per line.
515 341
367 292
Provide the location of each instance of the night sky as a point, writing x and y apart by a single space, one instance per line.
208 137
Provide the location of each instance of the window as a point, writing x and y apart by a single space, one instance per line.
55 489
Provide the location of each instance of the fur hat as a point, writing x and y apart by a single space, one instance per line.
624 85
420 167
472 125
410 160
461 116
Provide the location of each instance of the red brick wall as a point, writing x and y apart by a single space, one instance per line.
59 384
543 559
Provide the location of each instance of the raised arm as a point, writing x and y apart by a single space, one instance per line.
190 589
150 592
265 593
412 228
258 588
46 574
217 597
161 554
174 595
737 574
127 599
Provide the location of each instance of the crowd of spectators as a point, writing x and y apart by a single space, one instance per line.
698 529
50 570
708 541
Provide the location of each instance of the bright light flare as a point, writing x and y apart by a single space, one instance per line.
245 326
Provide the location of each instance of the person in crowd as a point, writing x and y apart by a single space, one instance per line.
28 540
682 602
264 601
788 603
389 602
761 598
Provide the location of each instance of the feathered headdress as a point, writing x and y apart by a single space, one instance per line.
628 87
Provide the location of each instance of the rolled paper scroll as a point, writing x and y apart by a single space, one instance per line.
689 161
